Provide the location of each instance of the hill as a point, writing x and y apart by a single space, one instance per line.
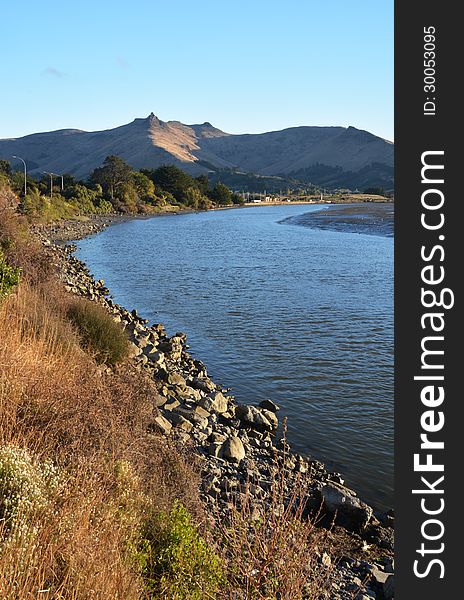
329 156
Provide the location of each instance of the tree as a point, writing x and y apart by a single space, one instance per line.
173 180
195 199
113 173
237 199
202 183
375 191
221 194
144 186
5 167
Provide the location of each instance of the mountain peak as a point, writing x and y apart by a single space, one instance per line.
152 118
149 142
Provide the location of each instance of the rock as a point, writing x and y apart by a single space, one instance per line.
171 404
271 417
134 350
254 418
214 402
381 536
232 449
205 385
179 421
351 512
141 341
214 449
185 391
158 400
154 354
201 412
269 405
162 424
388 564
175 379
141 358
326 560
379 576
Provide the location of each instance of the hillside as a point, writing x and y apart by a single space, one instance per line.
329 156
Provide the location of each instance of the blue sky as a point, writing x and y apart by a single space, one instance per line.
245 66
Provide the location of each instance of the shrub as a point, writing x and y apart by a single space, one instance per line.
9 276
98 332
176 561
26 485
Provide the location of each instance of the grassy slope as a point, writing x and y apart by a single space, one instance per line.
91 529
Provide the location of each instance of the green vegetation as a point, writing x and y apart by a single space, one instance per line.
98 332
175 560
375 191
114 187
9 276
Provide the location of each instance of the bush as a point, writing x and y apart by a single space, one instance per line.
98 332
9 276
26 486
176 561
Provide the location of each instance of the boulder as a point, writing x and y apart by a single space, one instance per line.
269 405
134 350
255 418
171 404
158 400
162 424
350 511
179 421
175 379
271 417
232 449
214 402
205 385
379 576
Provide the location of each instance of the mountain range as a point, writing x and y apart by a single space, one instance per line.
329 156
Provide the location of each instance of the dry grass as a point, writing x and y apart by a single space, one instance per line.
57 404
85 537
274 551
98 331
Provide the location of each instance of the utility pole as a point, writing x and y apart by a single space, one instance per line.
51 183
25 173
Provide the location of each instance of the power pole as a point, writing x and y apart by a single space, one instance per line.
25 173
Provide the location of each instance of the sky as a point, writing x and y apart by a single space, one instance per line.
245 66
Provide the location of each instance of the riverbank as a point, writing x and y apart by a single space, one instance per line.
373 219
236 443
78 228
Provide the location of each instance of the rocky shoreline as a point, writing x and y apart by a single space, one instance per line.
237 444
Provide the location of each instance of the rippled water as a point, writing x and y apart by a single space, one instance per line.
276 309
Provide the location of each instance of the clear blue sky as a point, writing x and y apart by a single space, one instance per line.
245 66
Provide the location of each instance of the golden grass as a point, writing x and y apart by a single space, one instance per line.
56 403
115 475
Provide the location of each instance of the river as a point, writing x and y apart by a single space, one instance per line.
280 306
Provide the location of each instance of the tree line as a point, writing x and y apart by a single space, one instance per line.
116 187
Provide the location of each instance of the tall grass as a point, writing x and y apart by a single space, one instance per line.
56 405
93 504
273 549
98 332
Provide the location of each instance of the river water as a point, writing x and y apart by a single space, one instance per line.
281 302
